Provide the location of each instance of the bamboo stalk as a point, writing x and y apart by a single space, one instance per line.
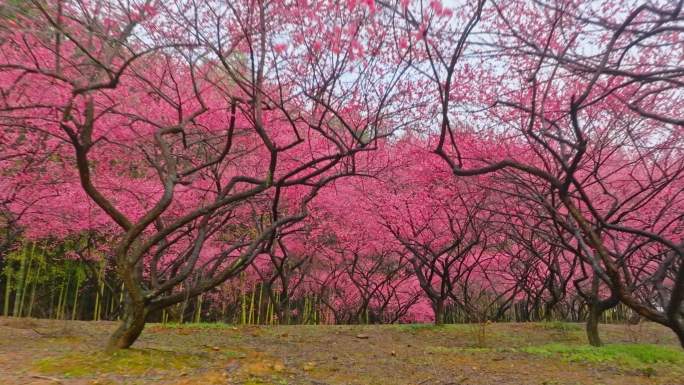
35 283
20 282
8 289
121 299
52 303
316 310
251 306
243 300
276 319
60 301
27 278
261 293
305 312
223 310
99 293
198 309
269 312
184 306
112 300
76 289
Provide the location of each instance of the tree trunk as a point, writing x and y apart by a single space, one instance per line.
132 324
548 311
438 308
285 309
596 309
593 317
678 328
680 335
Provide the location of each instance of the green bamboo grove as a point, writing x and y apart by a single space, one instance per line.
46 281
41 281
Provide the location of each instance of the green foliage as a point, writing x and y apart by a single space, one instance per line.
414 328
629 355
128 361
42 279
196 325
10 9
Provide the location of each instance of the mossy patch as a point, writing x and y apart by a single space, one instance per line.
274 380
560 326
230 354
467 350
124 362
412 328
194 325
425 327
263 368
628 355
457 350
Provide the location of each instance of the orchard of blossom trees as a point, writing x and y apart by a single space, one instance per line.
324 161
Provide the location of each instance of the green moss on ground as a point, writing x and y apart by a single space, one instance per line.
124 362
194 325
628 355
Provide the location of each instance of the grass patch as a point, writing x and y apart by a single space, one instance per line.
629 355
415 328
458 350
193 325
563 331
558 326
128 362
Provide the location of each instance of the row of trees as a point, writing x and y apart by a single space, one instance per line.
44 282
380 161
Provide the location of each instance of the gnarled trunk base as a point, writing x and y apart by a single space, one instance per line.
132 324
679 329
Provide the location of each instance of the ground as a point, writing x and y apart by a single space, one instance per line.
70 352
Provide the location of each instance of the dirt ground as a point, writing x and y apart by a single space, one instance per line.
58 352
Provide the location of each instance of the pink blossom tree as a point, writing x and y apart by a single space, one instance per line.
578 93
188 123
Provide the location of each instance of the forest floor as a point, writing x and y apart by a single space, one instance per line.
70 352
